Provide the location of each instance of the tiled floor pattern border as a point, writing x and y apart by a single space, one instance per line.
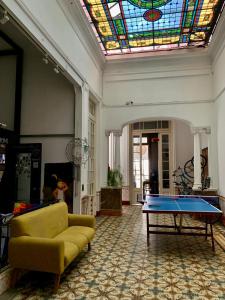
119 266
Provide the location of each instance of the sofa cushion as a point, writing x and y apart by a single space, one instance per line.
87 231
73 237
45 222
70 252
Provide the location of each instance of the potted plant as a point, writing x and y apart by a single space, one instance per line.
111 196
115 178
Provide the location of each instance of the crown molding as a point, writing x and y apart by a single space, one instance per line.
181 71
199 130
157 55
158 103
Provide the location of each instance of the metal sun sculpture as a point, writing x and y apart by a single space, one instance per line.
184 177
77 151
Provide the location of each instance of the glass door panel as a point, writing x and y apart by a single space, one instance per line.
136 153
164 166
145 163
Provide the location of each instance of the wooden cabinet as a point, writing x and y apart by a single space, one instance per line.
111 201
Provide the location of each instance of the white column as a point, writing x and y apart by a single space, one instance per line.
84 135
107 134
197 160
117 134
81 131
208 132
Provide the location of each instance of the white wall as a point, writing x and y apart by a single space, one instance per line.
219 94
184 143
47 105
48 98
158 81
7 90
179 88
124 155
176 88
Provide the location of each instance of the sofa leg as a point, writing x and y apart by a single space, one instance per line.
89 246
14 277
57 281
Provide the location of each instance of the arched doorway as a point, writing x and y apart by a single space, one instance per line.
155 149
151 158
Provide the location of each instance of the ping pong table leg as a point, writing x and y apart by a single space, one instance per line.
211 228
147 223
175 221
206 229
181 223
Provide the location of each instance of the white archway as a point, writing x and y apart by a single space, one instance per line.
195 115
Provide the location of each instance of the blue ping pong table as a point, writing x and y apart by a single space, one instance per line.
178 206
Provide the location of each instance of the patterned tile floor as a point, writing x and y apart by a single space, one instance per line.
119 266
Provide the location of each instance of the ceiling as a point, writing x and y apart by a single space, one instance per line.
137 26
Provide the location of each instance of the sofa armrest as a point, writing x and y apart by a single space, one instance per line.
81 220
38 254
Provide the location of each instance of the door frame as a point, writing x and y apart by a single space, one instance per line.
136 192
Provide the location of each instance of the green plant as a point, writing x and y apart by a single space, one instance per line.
115 178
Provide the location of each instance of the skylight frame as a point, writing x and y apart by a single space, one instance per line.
149 40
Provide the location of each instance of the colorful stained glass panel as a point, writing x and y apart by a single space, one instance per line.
131 26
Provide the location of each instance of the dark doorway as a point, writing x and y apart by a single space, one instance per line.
153 182
28 172
8 140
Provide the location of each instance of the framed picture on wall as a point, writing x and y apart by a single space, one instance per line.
58 183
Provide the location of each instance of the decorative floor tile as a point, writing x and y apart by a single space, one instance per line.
120 267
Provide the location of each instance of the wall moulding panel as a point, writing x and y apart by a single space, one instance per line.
158 103
156 75
184 112
182 89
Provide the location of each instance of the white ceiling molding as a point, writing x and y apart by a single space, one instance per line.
78 21
179 72
219 95
157 55
159 103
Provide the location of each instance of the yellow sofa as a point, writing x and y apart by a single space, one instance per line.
48 239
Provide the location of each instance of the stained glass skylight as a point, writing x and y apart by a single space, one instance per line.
131 26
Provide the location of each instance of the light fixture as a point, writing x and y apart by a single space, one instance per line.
56 69
45 59
4 18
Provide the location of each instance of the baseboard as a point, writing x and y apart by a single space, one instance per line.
125 202
110 212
